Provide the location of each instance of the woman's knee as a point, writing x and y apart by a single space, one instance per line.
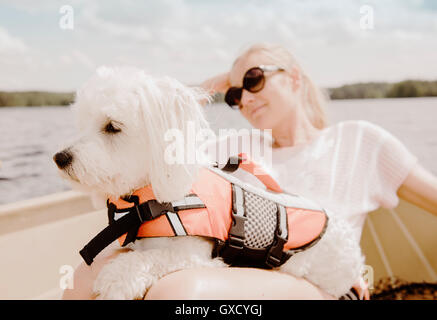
180 285
233 283
82 287
84 276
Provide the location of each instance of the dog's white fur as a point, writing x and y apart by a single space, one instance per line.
144 108
105 164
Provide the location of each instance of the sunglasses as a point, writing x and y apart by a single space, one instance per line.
253 81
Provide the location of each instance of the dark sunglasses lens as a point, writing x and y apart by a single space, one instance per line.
233 97
253 80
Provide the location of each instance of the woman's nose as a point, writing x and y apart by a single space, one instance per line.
247 98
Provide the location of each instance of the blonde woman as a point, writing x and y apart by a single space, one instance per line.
351 168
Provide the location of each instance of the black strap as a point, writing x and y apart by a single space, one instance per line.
107 236
236 253
240 257
276 255
232 164
129 223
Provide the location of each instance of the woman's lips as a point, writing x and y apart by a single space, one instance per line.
256 110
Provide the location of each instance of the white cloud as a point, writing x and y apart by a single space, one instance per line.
213 34
84 59
10 44
115 29
193 40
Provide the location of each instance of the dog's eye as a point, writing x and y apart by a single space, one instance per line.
109 128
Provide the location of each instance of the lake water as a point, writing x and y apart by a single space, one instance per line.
30 136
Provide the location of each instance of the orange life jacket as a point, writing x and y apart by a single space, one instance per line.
217 208
220 208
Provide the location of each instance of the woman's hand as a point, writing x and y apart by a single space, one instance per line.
217 84
420 188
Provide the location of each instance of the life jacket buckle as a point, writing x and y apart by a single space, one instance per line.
237 229
236 243
275 254
157 209
236 233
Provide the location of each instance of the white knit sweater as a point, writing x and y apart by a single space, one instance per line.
351 168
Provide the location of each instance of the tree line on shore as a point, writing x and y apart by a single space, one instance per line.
403 89
371 90
375 90
35 98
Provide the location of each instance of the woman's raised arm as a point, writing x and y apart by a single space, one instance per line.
219 83
216 84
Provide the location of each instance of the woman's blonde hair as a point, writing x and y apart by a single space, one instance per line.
314 98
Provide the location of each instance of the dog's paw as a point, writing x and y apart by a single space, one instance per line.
125 278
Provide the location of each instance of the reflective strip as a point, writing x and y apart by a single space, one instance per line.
178 228
283 226
285 199
188 203
238 201
118 215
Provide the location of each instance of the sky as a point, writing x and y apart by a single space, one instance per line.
56 45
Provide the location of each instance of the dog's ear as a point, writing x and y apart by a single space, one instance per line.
172 118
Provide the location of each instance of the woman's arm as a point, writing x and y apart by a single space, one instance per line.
420 188
216 84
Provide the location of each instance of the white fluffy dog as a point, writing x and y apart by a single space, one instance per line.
123 115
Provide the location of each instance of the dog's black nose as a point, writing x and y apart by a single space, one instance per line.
63 158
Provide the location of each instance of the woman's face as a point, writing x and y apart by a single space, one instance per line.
277 101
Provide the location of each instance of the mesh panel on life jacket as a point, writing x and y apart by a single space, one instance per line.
260 226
